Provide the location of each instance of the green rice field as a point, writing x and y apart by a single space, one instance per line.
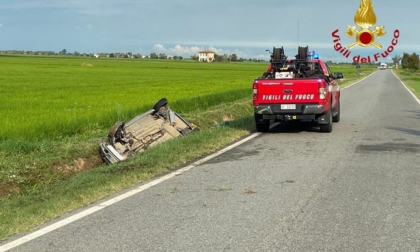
55 97
52 97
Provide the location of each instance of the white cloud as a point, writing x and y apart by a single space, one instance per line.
191 50
216 50
1 25
89 26
159 48
185 50
178 49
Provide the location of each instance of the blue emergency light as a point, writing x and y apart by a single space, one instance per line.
316 56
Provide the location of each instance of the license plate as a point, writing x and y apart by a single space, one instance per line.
288 106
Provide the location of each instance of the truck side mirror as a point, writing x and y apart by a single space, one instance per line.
338 76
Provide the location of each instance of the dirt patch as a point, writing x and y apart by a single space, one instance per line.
79 165
230 118
6 190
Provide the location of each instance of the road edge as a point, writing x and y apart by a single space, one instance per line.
406 87
357 82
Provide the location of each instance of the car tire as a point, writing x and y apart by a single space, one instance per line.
336 118
161 103
327 128
261 124
263 127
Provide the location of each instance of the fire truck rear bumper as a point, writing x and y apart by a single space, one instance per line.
301 110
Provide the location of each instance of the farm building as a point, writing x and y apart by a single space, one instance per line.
206 56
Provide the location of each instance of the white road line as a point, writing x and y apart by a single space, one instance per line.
411 92
119 198
359 81
126 195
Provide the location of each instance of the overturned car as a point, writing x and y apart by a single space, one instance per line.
142 132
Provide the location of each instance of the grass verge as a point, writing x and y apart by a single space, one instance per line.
411 79
350 73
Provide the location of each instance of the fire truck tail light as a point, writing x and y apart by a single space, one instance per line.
255 89
322 90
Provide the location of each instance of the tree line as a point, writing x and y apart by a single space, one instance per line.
410 61
161 56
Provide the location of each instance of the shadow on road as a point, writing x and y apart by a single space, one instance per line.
407 131
415 113
294 127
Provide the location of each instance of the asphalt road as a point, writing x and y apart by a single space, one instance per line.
295 189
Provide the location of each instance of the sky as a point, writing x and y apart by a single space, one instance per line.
184 27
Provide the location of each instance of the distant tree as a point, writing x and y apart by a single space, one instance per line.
162 56
219 58
233 58
175 57
154 56
111 55
63 52
180 58
76 53
410 61
396 59
404 59
194 57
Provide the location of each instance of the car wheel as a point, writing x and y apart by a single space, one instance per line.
263 127
327 128
336 118
161 103
261 124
